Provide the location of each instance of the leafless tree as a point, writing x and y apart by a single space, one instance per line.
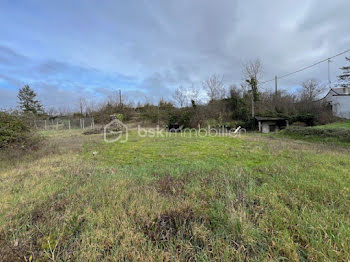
52 111
252 69
89 107
194 93
252 72
82 104
214 87
180 96
116 98
311 89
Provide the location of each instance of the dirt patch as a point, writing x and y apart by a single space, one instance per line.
255 210
55 206
172 224
94 131
170 186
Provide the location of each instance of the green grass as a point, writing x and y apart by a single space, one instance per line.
345 125
332 135
255 198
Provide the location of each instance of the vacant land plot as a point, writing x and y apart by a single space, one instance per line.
176 199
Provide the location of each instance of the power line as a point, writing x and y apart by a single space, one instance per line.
304 68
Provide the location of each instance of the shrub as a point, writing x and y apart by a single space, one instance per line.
15 131
308 119
180 118
213 123
248 124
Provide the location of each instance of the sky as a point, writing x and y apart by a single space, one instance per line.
68 49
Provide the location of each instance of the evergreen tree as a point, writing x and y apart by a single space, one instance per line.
344 78
28 102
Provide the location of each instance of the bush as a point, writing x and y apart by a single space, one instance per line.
308 119
213 123
249 124
340 134
180 118
15 132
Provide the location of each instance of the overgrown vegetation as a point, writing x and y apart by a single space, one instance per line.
324 134
15 132
337 125
253 198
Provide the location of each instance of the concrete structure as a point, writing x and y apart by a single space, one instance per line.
271 124
339 100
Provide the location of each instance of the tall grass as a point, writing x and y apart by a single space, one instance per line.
252 198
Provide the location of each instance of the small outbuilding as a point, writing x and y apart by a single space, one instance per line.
271 124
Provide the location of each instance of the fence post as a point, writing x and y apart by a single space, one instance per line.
69 124
83 123
45 124
80 122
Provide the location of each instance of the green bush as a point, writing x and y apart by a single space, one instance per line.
308 119
213 123
180 118
15 131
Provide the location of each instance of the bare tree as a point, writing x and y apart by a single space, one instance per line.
89 107
214 87
52 111
311 89
180 96
82 104
193 93
116 98
252 69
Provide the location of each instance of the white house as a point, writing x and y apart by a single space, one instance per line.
339 100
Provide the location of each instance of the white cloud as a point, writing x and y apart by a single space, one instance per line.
163 44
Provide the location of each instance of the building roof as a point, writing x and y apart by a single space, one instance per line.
263 118
337 92
340 91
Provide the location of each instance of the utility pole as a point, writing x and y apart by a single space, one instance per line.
276 86
252 83
120 97
329 73
158 112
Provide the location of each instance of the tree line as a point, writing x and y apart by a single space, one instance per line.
212 103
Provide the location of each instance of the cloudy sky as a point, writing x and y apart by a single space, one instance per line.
83 48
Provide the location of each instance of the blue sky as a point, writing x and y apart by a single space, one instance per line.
70 49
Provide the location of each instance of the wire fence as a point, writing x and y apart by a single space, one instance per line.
56 124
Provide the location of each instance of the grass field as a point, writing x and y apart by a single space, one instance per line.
253 198
330 134
345 125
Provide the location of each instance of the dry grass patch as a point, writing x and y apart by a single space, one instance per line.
169 185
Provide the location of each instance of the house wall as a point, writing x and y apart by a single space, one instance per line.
340 105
